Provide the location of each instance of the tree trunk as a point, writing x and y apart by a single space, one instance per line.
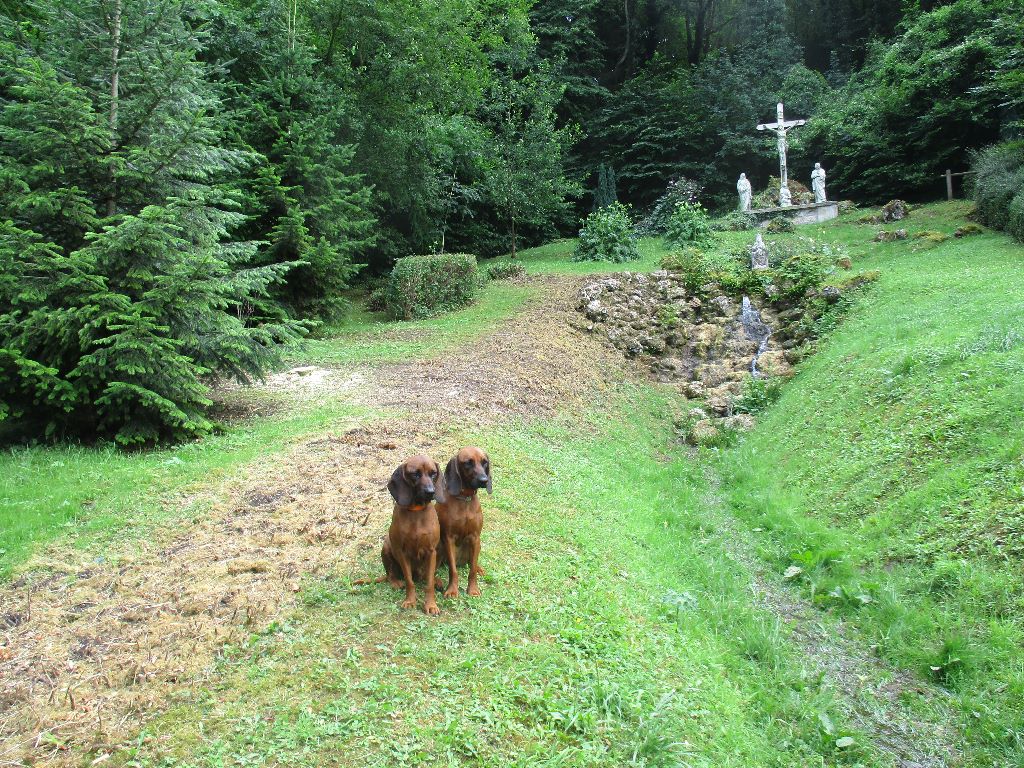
513 237
115 71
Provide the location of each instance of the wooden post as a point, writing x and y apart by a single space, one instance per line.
949 184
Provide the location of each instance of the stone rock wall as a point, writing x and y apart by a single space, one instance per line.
698 343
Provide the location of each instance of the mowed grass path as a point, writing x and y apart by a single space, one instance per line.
80 492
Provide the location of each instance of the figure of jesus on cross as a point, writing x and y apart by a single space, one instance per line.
780 129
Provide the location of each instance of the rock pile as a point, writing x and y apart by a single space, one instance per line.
698 343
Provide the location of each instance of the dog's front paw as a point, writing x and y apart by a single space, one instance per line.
452 591
431 609
473 591
409 602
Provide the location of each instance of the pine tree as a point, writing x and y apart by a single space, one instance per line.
123 290
605 193
311 208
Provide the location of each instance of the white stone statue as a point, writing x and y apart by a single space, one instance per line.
743 187
759 254
818 183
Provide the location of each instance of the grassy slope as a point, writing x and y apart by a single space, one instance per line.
366 337
615 629
892 469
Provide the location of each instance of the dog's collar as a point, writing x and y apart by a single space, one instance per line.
416 508
470 495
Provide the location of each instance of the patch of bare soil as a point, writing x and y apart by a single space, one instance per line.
530 367
92 648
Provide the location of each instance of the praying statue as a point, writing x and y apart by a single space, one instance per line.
743 187
818 183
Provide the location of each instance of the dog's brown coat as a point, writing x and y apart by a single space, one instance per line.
410 548
461 517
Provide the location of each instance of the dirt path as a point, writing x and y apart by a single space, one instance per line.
95 646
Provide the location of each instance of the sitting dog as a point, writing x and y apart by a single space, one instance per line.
461 518
410 548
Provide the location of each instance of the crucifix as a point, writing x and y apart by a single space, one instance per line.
780 129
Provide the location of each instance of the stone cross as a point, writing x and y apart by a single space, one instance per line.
780 128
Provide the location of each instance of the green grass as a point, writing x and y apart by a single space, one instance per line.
81 491
556 259
891 469
615 629
366 337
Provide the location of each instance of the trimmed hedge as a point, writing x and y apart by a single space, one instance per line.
423 286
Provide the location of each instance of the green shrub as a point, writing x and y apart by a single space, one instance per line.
607 235
757 394
505 270
730 272
421 286
1015 217
799 268
998 179
678 191
735 221
689 225
780 224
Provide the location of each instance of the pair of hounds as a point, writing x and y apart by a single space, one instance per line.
423 533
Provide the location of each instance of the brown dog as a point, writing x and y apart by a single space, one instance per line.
461 518
410 548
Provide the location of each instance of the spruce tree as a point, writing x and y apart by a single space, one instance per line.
310 207
123 291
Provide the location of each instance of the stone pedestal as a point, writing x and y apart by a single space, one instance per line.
799 214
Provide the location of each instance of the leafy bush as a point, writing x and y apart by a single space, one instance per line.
607 235
735 221
505 270
729 271
780 224
689 225
1015 219
421 286
999 187
799 268
757 394
680 190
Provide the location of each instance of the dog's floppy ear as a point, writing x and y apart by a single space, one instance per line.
490 475
399 487
452 478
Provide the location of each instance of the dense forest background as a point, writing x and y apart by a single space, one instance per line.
184 184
